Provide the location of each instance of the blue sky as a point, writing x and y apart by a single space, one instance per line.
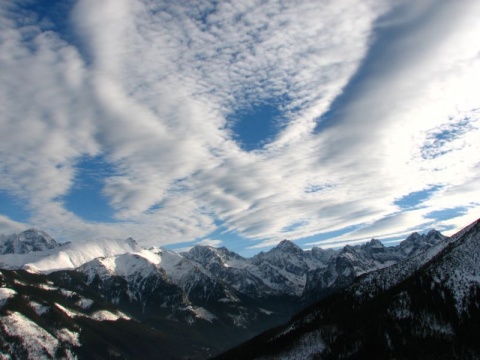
239 124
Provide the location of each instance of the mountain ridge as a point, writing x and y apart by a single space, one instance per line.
211 294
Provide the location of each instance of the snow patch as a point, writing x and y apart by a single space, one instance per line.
100 315
5 294
47 287
18 282
39 308
84 303
227 300
67 293
267 312
150 256
202 313
105 315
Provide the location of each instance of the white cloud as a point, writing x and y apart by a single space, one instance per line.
45 114
152 83
396 225
8 226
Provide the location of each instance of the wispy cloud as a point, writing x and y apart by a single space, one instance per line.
379 100
9 226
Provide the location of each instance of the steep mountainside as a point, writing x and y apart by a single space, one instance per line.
41 320
426 307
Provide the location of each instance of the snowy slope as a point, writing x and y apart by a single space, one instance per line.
123 265
68 256
58 316
143 263
36 342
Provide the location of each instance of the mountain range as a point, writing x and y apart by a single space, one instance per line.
115 299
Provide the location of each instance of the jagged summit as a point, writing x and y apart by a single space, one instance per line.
430 235
435 235
433 232
288 245
419 242
209 256
203 254
375 243
374 246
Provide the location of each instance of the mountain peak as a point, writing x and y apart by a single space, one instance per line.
287 245
374 245
435 235
413 236
27 241
204 255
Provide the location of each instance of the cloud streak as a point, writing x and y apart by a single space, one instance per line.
379 101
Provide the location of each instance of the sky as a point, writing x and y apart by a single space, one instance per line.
239 123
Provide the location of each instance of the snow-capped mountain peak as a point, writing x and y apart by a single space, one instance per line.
27 241
208 256
204 255
124 265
